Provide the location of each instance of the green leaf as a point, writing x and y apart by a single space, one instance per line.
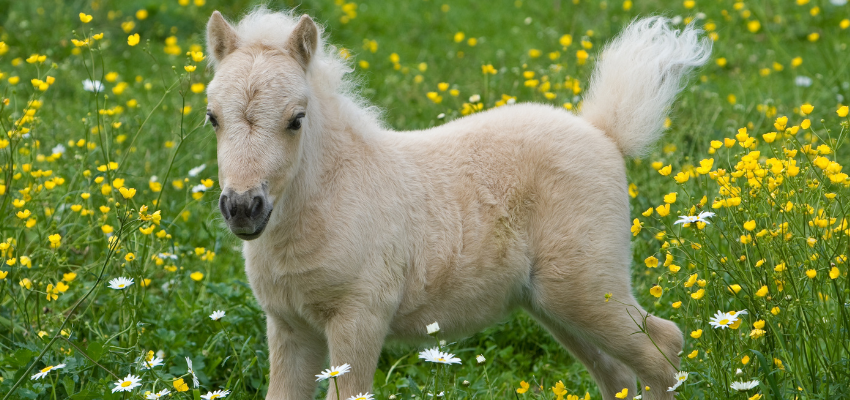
85 394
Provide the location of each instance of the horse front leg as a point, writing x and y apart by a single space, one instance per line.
356 339
296 355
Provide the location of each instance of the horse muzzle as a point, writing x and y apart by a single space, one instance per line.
246 213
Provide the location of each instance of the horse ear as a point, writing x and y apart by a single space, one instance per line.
303 40
221 37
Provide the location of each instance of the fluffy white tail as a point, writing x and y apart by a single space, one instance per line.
637 78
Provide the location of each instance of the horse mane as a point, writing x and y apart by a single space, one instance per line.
329 72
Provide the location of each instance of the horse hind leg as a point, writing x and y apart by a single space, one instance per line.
610 374
575 298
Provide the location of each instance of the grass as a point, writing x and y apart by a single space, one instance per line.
148 121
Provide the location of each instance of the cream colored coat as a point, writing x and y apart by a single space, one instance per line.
374 233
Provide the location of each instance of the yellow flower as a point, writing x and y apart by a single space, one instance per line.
735 288
756 396
127 193
189 68
762 291
666 170
130 257
581 56
656 291
69 277
807 109
693 354
775 310
52 294
691 281
3 274
523 387
834 273
670 198
197 276
85 18
769 137
559 390
842 111
698 294
55 240
180 386
636 226
651 262
753 26
141 14
676 304
664 210
566 40
696 334
622 394
133 39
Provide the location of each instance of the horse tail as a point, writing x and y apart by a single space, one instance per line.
637 78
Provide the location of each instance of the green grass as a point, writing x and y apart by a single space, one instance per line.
107 330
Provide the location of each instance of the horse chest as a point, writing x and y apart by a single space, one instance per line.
294 295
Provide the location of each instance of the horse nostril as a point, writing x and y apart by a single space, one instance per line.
224 207
256 207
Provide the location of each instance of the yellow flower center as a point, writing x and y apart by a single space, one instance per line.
724 321
441 359
681 378
121 285
215 396
335 373
47 369
126 383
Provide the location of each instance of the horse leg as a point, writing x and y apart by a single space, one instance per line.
356 338
610 374
295 357
575 297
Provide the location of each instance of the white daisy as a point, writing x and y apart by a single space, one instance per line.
157 395
480 358
703 215
433 328
362 396
687 219
197 170
192 371
681 377
217 315
722 320
803 81
58 149
92 86
199 188
120 283
44 371
475 98
333 372
155 362
437 356
744 386
127 384
216 395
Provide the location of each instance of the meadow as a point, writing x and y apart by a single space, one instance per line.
118 279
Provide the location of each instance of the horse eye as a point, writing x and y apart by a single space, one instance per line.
295 124
211 119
